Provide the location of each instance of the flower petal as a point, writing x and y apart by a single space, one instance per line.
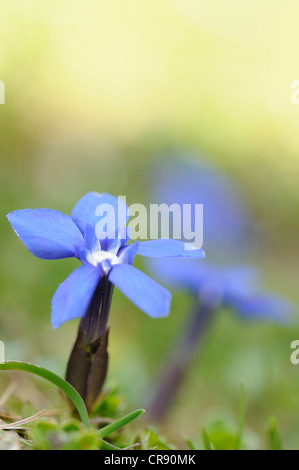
186 178
263 307
180 274
85 209
48 234
127 253
87 212
164 248
143 291
73 296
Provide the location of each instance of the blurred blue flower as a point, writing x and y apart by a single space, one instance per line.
228 233
187 179
234 287
49 234
218 282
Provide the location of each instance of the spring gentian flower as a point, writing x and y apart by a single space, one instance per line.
234 287
221 282
49 234
190 179
229 226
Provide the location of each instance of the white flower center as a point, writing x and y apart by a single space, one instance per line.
104 258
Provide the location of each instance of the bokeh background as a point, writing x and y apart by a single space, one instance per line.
97 93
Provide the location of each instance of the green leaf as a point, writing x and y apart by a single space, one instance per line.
157 441
72 394
274 439
107 446
242 413
206 440
110 428
190 443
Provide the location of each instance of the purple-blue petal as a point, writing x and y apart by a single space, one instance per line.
180 274
263 307
166 248
143 291
86 213
113 245
46 233
127 253
184 178
85 209
73 296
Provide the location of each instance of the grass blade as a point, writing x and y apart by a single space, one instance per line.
54 379
107 446
110 428
20 423
274 439
190 443
206 440
242 413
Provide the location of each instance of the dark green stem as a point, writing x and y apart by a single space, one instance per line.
94 323
88 363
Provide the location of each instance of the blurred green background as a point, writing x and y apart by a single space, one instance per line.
96 92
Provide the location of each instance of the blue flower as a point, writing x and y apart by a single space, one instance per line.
227 225
234 287
49 234
184 178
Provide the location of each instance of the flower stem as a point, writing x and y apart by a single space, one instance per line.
177 362
88 363
94 323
